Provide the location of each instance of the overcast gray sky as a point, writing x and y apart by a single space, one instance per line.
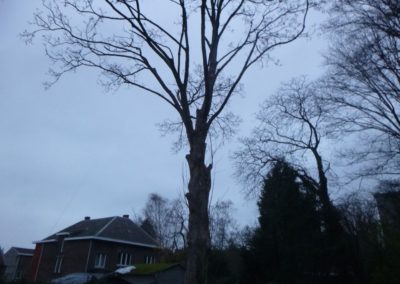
76 150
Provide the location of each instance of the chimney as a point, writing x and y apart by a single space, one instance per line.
125 216
87 218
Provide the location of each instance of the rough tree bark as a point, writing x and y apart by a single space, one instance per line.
199 241
330 213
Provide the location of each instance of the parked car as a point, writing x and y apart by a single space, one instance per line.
73 278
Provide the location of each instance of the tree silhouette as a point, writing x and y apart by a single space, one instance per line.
286 246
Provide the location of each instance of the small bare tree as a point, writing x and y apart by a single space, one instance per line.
168 219
179 222
359 217
222 224
193 60
363 81
157 211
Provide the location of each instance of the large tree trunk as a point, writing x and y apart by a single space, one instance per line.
198 197
339 248
329 212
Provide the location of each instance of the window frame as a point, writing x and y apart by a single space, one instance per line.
58 264
124 259
149 259
100 260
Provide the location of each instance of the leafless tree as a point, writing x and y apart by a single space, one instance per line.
363 82
179 223
389 185
359 217
168 219
193 60
222 224
157 212
292 124
360 214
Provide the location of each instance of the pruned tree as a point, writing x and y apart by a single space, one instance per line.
193 60
363 81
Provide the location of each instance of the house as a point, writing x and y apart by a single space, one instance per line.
17 262
96 246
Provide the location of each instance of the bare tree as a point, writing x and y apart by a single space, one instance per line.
388 185
179 222
168 221
156 212
222 224
292 124
363 81
193 60
359 217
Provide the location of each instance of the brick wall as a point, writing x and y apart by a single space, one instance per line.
74 256
79 256
112 251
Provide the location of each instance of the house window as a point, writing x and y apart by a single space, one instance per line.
57 267
100 260
149 260
124 258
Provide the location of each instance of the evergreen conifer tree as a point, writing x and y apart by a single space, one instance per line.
286 246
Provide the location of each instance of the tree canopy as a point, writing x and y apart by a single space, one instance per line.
363 80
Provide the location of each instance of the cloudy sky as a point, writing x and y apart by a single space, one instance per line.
76 150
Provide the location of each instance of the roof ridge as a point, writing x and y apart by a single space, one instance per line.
105 226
